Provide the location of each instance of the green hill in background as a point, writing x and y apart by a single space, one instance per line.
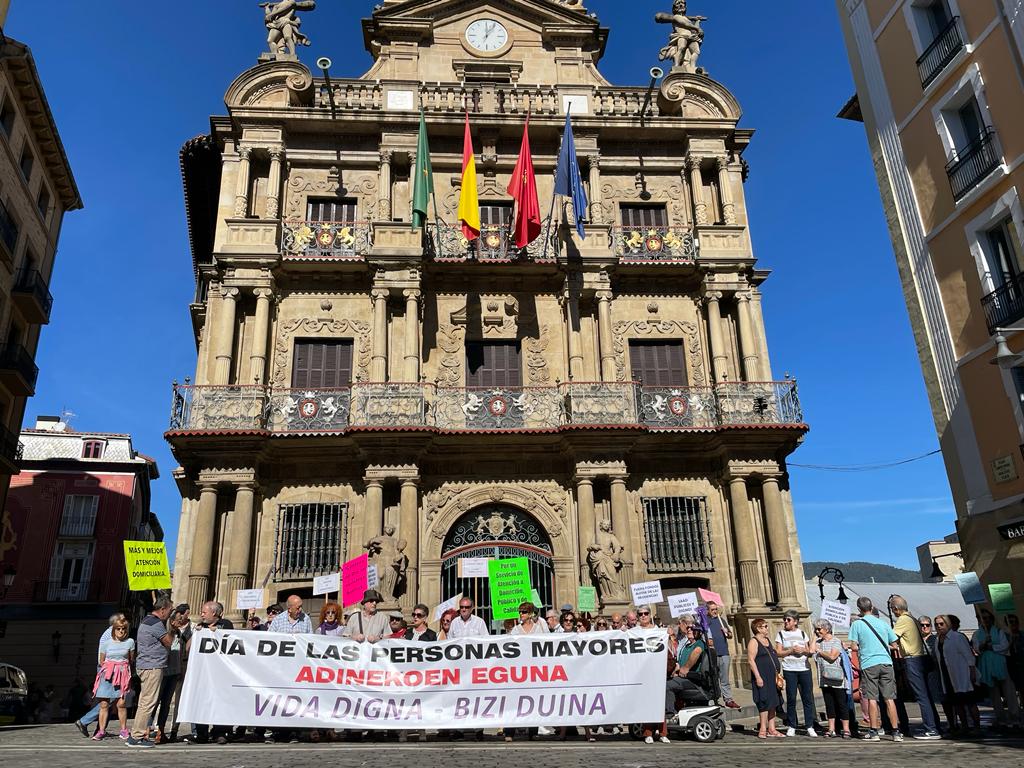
858 571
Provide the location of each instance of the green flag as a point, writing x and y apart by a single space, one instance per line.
423 186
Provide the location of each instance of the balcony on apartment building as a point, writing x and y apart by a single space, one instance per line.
32 297
969 166
940 52
18 372
10 451
1005 305
416 406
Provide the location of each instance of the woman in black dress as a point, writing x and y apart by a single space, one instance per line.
764 668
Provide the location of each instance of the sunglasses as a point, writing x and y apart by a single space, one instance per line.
925 624
419 615
644 613
465 607
601 624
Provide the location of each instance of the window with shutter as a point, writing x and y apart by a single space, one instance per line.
643 216
493 364
338 209
79 518
658 363
322 363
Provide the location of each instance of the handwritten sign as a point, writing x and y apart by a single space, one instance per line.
146 565
679 605
646 593
510 585
586 599
354 579
835 613
372 578
248 599
473 567
451 602
1002 597
709 597
970 588
323 585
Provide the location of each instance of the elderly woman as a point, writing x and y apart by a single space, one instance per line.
955 660
445 624
828 652
645 620
992 645
764 672
114 677
330 620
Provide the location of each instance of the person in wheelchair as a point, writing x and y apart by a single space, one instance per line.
691 684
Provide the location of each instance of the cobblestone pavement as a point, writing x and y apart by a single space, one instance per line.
57 746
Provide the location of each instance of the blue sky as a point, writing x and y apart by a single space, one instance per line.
128 85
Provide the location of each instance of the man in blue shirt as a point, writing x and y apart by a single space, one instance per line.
875 641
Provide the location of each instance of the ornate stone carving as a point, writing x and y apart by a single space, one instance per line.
688 330
310 325
685 40
537 373
307 183
654 189
282 22
604 559
450 339
499 315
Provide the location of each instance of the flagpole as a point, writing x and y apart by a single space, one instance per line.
437 221
551 213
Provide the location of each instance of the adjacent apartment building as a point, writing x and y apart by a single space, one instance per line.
604 407
940 90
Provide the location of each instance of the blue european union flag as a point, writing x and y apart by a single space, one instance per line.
567 177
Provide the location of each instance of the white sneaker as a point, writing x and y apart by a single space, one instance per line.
649 740
543 730
812 733
665 740
791 731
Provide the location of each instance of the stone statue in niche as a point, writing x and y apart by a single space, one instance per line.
386 554
282 22
604 558
685 40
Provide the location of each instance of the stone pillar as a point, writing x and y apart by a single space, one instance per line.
596 206
242 183
274 184
412 335
239 545
384 211
604 322
620 517
202 546
373 508
572 327
258 354
224 342
700 207
748 344
719 359
379 353
778 542
757 319
725 190
746 545
585 512
409 531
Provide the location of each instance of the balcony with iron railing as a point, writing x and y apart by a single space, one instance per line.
32 296
18 372
10 451
654 244
326 240
1005 305
65 592
420 406
940 52
446 242
969 167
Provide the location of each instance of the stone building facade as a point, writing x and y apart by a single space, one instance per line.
603 406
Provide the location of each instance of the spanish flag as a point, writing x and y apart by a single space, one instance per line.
469 203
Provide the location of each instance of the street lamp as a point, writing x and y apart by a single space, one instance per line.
837 577
1005 358
936 571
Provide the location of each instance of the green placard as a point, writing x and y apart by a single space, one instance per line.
1002 597
586 599
509 582
535 599
146 565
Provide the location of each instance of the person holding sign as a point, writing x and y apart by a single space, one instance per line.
721 633
154 640
992 646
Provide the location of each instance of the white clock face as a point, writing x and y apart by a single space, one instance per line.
487 35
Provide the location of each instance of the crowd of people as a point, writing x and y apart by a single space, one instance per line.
925 660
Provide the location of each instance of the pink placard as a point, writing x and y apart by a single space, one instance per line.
709 597
354 579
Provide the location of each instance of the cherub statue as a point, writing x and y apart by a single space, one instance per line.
282 22
685 41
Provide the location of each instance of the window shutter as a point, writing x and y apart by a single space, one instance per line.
658 363
322 364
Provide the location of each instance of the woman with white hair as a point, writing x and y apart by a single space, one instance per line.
831 678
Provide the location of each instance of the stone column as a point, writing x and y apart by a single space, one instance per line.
373 508
748 344
746 545
412 334
719 359
274 184
620 517
258 354
409 531
700 207
202 546
239 544
587 516
596 205
604 324
379 353
384 185
224 342
572 327
242 183
757 318
778 542
725 190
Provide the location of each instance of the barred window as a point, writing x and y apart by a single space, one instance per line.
678 535
310 539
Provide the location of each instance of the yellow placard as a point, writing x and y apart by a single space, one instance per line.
146 565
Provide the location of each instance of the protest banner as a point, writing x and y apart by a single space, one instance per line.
354 579
324 585
970 588
681 604
836 613
145 563
1002 598
586 599
248 599
709 597
646 593
473 567
509 581
451 602
372 577
272 680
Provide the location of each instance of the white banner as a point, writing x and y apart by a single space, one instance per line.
316 681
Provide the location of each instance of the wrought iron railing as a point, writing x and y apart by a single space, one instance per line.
10 446
325 239
486 408
30 281
677 534
65 592
678 407
8 230
940 52
496 243
309 410
654 243
600 403
309 539
208 407
758 402
1005 304
393 404
974 163
14 357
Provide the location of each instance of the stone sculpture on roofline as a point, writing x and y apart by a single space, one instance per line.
685 40
282 21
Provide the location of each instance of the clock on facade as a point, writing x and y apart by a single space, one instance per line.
487 35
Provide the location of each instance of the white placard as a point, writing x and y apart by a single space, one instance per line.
473 567
248 599
452 602
646 593
323 585
837 614
580 104
372 579
400 99
680 604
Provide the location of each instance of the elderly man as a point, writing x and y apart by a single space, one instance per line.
368 625
551 617
916 660
294 621
150 660
467 623
211 617
721 634
631 619
874 642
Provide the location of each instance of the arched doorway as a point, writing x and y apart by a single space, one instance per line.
496 531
